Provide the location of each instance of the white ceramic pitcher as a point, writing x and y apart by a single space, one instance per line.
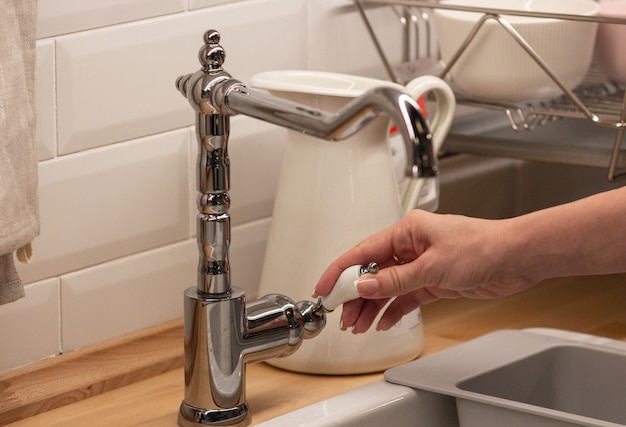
330 196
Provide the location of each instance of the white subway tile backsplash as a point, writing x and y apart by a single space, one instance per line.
142 290
68 16
30 327
45 99
260 35
117 83
341 43
111 202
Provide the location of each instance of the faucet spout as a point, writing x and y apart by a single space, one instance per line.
399 106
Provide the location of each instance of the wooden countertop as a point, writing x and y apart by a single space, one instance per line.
594 305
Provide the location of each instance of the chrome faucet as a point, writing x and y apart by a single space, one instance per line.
223 332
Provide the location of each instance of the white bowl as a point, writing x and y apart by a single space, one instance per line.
611 42
494 67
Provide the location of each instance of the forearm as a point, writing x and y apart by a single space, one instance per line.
580 238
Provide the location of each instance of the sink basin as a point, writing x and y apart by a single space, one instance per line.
542 378
373 405
570 379
539 377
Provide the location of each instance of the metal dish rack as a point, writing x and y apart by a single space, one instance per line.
599 102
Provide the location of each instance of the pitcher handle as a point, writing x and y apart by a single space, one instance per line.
439 126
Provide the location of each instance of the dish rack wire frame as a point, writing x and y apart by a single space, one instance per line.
596 92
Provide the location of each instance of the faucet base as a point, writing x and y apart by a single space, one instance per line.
189 416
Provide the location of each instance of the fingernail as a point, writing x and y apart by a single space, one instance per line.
314 295
342 326
367 286
383 325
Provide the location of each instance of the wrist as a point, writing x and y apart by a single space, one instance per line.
528 250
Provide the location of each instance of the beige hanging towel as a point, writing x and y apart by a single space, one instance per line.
19 203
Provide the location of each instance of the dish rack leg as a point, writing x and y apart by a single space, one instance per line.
379 49
613 174
615 156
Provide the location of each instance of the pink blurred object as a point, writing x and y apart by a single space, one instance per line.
611 41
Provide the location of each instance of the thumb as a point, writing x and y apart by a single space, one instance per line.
387 283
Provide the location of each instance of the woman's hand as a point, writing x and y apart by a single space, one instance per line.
424 257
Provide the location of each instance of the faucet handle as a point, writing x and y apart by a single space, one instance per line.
345 287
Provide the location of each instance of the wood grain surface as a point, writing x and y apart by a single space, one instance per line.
138 380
